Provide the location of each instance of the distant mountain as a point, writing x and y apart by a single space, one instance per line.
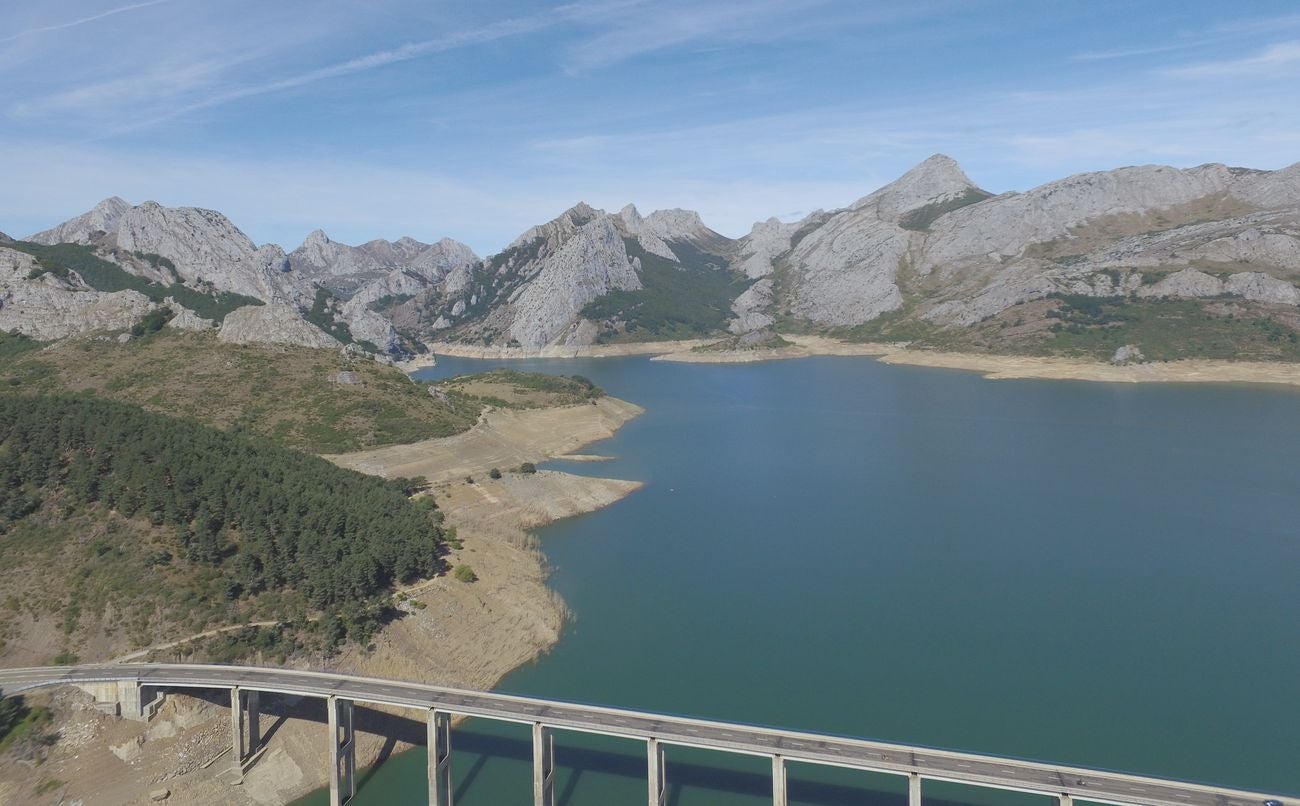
929 258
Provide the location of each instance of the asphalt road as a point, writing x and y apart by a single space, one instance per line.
1026 776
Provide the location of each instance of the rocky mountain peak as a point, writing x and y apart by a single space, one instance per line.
630 217
5 238
935 180
560 228
102 218
675 224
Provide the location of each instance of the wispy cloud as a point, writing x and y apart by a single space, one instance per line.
1107 55
82 21
1282 57
478 35
635 30
1186 40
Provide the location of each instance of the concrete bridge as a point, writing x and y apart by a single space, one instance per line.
137 683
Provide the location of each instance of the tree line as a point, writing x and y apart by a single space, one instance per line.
266 516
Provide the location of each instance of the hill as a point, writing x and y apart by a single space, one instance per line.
120 522
320 401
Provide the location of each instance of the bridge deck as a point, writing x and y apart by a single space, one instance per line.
941 765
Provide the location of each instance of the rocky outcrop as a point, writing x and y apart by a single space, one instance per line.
99 221
272 324
46 307
587 265
345 267
767 241
845 270
1251 285
185 319
1127 354
750 308
207 248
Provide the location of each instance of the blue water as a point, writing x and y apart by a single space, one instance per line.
1095 574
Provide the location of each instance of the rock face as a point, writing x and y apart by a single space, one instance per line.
534 292
47 307
206 247
930 249
99 221
935 244
338 265
272 324
845 269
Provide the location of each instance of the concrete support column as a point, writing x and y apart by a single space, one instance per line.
237 727
780 796
913 790
439 758
543 765
656 775
1066 800
253 703
343 751
245 724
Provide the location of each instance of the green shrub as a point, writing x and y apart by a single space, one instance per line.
528 467
465 574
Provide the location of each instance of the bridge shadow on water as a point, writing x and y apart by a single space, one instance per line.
579 761
483 750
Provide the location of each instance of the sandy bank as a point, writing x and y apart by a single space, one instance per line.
1011 366
503 438
802 347
1190 371
556 351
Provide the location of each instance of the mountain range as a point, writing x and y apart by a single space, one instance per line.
929 258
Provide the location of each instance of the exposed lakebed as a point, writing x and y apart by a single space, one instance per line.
1096 574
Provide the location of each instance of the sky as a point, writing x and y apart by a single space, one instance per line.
475 120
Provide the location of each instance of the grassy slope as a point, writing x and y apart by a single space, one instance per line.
288 394
508 388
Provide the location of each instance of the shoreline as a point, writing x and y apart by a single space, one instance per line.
455 350
998 367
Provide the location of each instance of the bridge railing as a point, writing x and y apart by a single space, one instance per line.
439 705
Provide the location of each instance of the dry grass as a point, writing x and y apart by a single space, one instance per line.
290 394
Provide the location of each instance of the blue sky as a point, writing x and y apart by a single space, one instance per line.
476 120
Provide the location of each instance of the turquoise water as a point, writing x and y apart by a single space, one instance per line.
1095 574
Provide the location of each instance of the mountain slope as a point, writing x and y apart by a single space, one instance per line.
929 258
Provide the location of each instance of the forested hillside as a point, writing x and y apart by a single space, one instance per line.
235 525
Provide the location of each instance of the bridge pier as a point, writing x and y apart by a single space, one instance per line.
543 765
913 790
656 775
343 751
780 791
1067 800
244 711
439 758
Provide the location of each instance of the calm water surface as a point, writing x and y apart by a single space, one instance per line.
1102 575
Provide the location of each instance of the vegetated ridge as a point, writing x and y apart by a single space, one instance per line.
186 525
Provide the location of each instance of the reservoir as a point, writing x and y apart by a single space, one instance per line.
1102 575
